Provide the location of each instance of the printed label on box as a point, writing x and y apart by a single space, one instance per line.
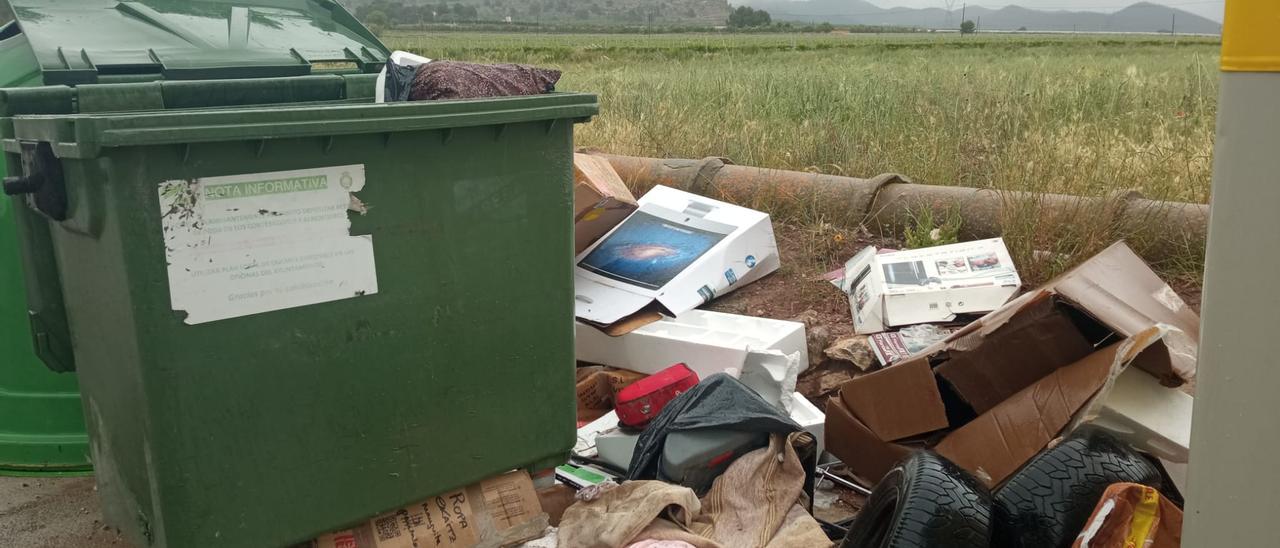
247 244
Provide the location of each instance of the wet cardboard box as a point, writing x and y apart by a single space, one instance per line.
500 511
993 394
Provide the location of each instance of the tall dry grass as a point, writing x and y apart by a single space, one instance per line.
1084 116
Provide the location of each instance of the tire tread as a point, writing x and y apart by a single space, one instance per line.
940 505
1046 503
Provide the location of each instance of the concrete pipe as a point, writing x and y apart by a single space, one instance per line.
887 203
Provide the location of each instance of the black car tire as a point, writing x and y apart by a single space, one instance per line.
924 501
1046 503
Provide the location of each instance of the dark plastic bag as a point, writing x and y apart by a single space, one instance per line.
455 80
719 401
399 81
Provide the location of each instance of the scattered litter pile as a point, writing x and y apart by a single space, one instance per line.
982 414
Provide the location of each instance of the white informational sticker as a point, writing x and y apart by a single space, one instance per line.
247 244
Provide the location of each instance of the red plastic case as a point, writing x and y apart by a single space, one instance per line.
644 399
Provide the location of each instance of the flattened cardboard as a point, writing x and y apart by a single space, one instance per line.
600 200
987 366
677 251
499 511
897 402
862 451
927 285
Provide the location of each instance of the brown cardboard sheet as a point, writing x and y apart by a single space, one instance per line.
987 366
998 442
862 451
897 402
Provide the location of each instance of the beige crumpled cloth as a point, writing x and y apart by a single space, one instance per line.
754 504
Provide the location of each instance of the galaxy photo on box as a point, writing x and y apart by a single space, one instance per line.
648 251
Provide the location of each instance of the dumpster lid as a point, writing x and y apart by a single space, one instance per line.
88 41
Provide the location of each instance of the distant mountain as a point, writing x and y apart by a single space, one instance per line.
624 12
1140 17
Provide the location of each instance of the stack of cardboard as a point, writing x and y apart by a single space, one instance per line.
993 394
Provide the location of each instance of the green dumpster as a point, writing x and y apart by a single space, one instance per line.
290 309
41 428
75 42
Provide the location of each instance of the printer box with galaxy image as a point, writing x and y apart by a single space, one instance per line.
676 252
648 251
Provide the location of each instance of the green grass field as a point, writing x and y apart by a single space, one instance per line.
1074 114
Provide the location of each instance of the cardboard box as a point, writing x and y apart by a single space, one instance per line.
927 285
499 511
994 393
1005 354
673 254
600 200
708 342
597 389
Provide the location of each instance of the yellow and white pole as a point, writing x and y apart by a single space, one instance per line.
1233 492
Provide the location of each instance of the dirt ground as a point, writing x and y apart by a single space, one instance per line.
53 513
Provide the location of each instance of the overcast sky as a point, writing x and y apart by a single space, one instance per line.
1205 8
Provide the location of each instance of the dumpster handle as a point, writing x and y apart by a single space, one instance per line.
42 183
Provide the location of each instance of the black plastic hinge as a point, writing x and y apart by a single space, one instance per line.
42 182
